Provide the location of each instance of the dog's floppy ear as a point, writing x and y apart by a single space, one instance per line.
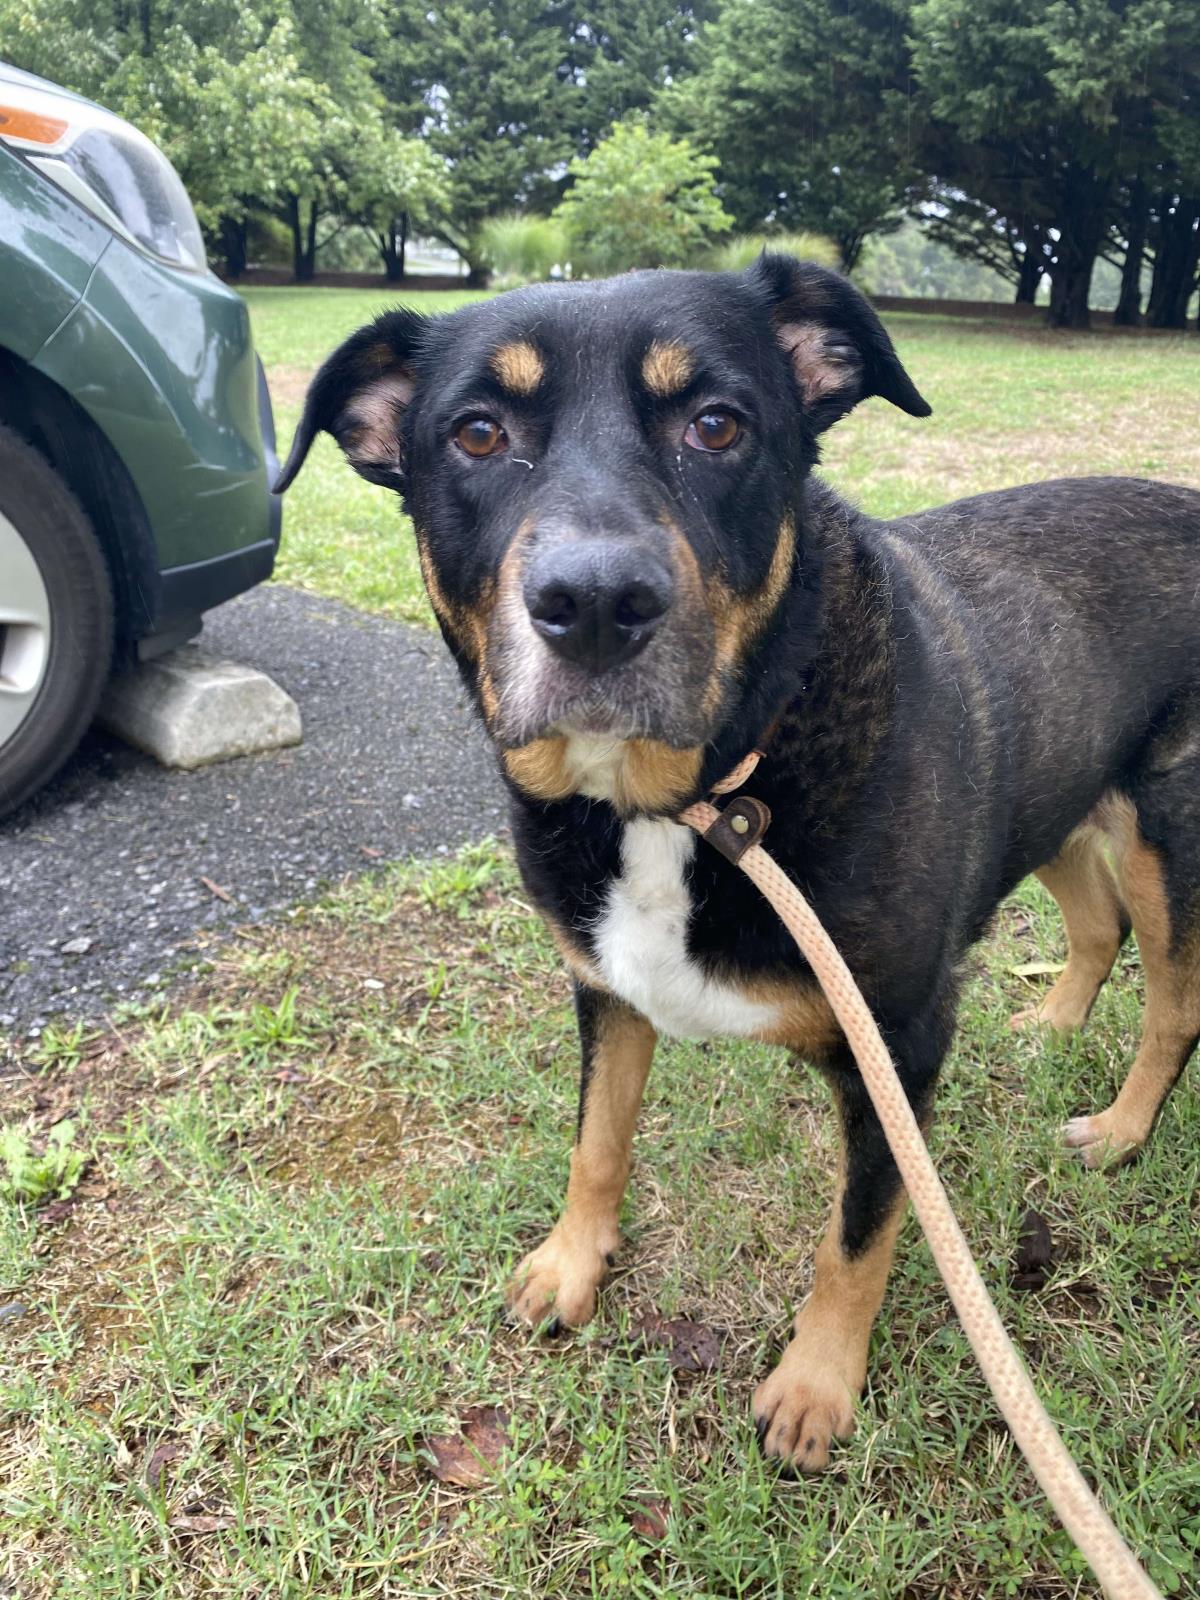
839 351
359 396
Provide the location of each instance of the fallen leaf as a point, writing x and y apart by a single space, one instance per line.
691 1346
1035 1253
56 1211
649 1522
215 888
202 1522
471 1456
160 1457
288 1075
370 853
1037 969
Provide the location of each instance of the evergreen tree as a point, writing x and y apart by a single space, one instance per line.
808 106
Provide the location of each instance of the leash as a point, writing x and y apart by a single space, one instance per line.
736 831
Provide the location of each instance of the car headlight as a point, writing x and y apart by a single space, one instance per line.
108 166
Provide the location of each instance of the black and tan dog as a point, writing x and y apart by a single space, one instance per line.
638 575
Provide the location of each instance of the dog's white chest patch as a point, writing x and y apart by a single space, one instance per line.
641 941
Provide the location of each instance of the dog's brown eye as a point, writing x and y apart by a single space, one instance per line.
481 437
712 430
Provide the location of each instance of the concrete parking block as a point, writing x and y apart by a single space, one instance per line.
189 708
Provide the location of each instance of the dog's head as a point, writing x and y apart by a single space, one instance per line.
605 483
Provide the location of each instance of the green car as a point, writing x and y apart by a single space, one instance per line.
136 438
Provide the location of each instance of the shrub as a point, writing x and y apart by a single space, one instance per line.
641 199
522 247
734 254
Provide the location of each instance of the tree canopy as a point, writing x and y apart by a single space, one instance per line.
807 106
1035 136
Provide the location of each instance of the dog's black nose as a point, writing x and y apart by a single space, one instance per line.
597 602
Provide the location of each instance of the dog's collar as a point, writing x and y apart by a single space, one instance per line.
744 820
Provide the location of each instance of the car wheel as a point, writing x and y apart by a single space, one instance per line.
56 621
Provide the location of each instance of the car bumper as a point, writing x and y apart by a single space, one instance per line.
197 586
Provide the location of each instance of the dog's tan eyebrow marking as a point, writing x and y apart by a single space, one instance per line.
667 366
519 367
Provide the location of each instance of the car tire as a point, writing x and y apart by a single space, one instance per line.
56 621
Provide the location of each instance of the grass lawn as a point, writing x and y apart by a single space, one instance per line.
278 1281
1011 404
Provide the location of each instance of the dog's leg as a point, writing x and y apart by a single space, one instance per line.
1171 964
809 1399
1097 924
561 1276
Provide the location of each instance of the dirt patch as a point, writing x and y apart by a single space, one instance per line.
309 1024
288 384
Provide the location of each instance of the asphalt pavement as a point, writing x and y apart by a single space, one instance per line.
108 874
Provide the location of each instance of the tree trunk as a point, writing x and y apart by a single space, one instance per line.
304 239
391 245
1029 277
1129 305
850 246
1175 261
1070 285
310 244
1082 223
477 274
385 243
232 246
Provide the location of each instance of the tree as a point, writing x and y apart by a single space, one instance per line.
491 90
218 86
395 184
808 107
1013 246
241 122
623 54
1042 108
335 42
641 199
1174 225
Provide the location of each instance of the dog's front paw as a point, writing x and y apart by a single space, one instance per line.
1105 1140
560 1278
804 1405
1063 1011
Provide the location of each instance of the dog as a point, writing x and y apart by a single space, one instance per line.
641 580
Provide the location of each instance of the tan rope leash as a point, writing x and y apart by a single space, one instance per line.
735 832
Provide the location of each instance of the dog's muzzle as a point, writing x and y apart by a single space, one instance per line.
597 602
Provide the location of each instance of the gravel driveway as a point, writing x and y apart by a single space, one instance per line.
101 874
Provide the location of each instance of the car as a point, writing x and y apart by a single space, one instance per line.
137 443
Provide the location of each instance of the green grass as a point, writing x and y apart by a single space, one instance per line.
281 1275
1015 403
1011 404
